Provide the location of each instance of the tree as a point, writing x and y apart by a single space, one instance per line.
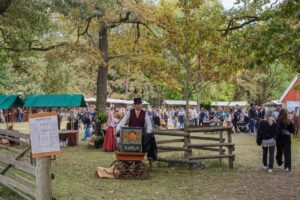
107 17
191 45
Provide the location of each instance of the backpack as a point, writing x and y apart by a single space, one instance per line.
176 114
202 115
180 118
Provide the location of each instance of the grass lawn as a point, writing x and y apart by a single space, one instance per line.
74 172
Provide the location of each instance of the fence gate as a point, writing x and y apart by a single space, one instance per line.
16 172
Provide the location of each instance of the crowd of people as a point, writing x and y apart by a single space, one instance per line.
273 126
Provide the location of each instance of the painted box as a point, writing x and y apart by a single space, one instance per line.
131 139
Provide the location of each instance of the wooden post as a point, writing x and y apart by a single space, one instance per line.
43 179
12 119
187 142
230 149
220 148
7 118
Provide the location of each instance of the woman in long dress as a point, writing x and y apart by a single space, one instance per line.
109 143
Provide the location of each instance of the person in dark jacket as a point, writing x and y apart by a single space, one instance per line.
87 125
253 117
236 116
283 142
266 136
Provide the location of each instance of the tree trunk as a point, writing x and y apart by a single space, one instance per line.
4 5
127 80
102 70
186 86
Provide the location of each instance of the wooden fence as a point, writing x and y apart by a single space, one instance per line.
187 141
16 172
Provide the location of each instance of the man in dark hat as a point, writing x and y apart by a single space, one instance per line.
137 117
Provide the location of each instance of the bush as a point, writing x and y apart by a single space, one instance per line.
102 117
98 141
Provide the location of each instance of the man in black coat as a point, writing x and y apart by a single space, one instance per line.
252 116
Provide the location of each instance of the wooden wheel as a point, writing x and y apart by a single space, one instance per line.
140 171
113 163
121 170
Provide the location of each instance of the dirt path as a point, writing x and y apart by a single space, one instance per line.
258 184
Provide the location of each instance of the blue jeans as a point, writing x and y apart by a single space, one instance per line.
87 132
181 124
20 118
252 125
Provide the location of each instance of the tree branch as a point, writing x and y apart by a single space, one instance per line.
231 26
29 48
88 22
118 56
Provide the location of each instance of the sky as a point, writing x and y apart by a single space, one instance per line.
228 3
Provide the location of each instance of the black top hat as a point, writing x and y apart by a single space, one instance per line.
137 101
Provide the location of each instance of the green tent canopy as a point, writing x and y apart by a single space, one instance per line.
55 100
6 101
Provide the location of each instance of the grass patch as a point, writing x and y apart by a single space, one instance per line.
74 177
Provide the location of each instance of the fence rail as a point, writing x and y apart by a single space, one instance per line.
22 179
220 144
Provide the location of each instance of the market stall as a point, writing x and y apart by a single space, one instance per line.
54 101
8 103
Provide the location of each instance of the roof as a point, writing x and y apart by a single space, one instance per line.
55 100
288 88
6 101
220 103
115 101
273 102
179 102
240 103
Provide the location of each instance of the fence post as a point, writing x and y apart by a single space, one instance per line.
220 148
43 179
230 149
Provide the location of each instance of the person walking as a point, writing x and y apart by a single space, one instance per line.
2 118
236 114
195 116
202 116
87 125
181 116
19 114
174 117
266 137
283 142
252 114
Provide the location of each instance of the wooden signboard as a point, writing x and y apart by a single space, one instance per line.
131 139
44 134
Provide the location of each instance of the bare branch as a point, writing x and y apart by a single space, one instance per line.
231 26
119 56
33 48
138 33
273 4
88 22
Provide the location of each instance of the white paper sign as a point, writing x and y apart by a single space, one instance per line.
44 134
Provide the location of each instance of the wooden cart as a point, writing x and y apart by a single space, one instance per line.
129 158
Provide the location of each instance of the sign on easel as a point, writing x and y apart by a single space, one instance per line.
44 134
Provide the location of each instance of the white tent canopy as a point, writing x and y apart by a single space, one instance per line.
114 101
220 103
239 103
273 102
179 102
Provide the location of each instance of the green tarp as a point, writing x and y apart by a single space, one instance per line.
6 101
55 100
